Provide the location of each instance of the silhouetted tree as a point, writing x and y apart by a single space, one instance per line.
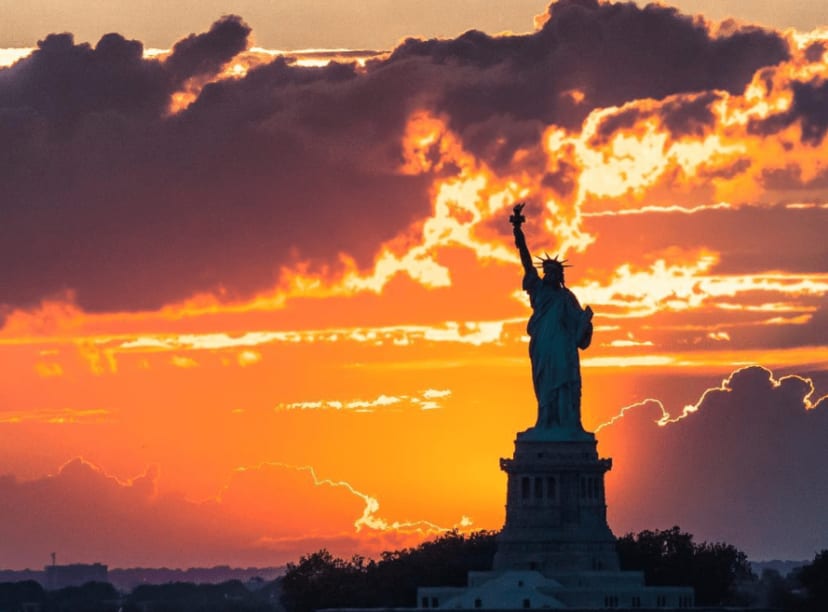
445 561
666 557
13 594
91 597
172 591
321 580
718 570
814 580
775 591
186 596
670 557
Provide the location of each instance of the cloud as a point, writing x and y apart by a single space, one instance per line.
468 332
609 53
248 358
61 83
60 416
427 400
744 465
205 54
182 361
807 108
256 519
130 207
176 190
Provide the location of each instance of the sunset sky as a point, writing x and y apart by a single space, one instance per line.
259 294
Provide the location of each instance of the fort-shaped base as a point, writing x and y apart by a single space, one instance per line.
556 513
556 550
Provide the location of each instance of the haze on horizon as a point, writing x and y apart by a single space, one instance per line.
254 306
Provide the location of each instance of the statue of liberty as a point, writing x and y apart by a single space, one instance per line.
557 328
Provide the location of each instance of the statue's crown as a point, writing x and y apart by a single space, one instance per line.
545 260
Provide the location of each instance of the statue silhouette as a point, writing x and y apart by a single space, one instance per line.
557 328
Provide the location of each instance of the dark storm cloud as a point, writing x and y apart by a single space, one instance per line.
815 51
62 81
106 194
205 54
612 53
690 116
790 178
563 180
810 104
809 107
748 467
622 120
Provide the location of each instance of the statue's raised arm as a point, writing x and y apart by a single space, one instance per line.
517 219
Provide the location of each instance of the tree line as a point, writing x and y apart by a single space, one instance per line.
321 580
230 596
719 573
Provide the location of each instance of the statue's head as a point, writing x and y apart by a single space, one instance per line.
553 269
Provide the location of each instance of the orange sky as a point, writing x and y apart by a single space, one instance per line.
306 24
254 306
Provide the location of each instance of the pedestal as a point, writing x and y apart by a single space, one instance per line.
556 513
556 550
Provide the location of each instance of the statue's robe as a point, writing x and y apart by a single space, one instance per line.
557 328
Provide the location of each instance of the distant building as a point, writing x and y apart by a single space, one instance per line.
75 574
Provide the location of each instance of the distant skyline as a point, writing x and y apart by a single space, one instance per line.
252 307
302 24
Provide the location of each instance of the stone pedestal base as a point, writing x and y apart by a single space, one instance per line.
556 550
556 513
